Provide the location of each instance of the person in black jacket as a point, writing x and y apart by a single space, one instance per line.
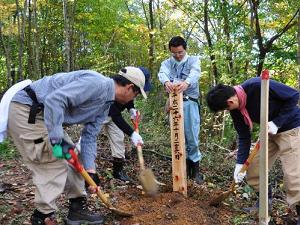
116 127
243 102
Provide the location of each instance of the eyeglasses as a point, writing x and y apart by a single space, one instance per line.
180 53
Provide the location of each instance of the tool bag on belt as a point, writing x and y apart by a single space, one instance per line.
36 107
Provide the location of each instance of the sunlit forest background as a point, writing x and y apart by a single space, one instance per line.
235 40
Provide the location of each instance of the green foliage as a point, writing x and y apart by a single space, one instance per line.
109 34
7 151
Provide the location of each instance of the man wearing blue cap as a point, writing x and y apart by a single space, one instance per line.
116 126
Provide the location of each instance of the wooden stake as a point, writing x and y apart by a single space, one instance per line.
263 160
178 143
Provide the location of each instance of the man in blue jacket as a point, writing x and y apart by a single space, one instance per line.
182 72
243 102
36 118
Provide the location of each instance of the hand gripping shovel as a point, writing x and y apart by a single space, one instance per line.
79 168
221 197
146 177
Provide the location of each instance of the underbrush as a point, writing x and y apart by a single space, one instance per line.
7 150
217 164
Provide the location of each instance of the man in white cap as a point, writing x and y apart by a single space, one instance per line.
35 122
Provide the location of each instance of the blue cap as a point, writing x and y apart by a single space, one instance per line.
146 72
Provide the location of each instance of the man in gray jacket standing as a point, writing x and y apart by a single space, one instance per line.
36 118
182 72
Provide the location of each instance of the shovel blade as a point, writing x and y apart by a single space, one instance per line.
220 198
121 212
148 182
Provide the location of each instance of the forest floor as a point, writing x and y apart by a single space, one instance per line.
168 207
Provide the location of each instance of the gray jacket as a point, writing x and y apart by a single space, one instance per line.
78 97
188 70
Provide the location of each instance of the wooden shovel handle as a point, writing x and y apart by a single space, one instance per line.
247 163
250 157
74 161
139 146
141 158
92 183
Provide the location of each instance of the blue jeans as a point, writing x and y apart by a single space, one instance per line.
191 130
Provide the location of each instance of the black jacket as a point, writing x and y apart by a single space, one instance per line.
115 112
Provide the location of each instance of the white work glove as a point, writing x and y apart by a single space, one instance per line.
133 113
136 139
272 128
238 177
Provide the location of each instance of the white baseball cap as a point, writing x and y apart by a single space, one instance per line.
136 76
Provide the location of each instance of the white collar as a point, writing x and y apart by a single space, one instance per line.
178 63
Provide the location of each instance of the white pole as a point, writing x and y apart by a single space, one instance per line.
263 163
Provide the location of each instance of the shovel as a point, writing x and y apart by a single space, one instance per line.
79 168
146 177
221 197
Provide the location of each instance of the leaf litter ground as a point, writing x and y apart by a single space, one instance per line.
168 207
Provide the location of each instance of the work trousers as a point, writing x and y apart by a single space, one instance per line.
51 176
286 146
116 138
191 130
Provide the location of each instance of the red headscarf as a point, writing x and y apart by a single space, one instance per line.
242 96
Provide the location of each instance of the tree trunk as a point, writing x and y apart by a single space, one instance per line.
298 51
212 56
151 36
6 49
23 28
36 42
67 36
150 25
251 39
30 66
264 48
72 21
21 38
226 29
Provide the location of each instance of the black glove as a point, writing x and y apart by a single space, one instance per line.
95 178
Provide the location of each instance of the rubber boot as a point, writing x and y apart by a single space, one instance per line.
38 218
254 209
131 154
298 213
195 172
80 214
188 168
118 170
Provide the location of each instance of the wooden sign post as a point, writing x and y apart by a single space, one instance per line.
178 143
263 157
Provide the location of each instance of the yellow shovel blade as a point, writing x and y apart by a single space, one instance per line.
148 182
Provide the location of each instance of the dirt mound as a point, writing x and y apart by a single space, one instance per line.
169 208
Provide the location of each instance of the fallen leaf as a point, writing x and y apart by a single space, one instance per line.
4 187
